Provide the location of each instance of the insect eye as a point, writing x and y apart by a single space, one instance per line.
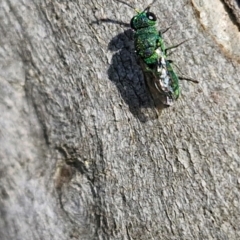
132 24
151 16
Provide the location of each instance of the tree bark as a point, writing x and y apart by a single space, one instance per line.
84 153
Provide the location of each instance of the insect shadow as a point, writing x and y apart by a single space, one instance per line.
126 74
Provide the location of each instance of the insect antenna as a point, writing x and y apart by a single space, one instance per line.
125 4
148 7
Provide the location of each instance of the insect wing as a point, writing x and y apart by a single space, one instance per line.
160 94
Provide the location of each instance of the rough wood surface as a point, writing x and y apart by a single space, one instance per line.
84 154
234 6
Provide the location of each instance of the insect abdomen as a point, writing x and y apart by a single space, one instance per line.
174 80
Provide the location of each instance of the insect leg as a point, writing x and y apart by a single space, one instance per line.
164 31
175 46
182 78
188 79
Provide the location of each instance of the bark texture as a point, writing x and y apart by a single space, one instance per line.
84 155
233 6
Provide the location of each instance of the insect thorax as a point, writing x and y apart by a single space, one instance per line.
146 42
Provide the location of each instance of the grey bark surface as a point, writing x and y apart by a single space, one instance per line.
84 154
233 8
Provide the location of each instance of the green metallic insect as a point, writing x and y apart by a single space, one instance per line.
160 78
146 37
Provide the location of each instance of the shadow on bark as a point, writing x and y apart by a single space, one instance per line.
127 76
